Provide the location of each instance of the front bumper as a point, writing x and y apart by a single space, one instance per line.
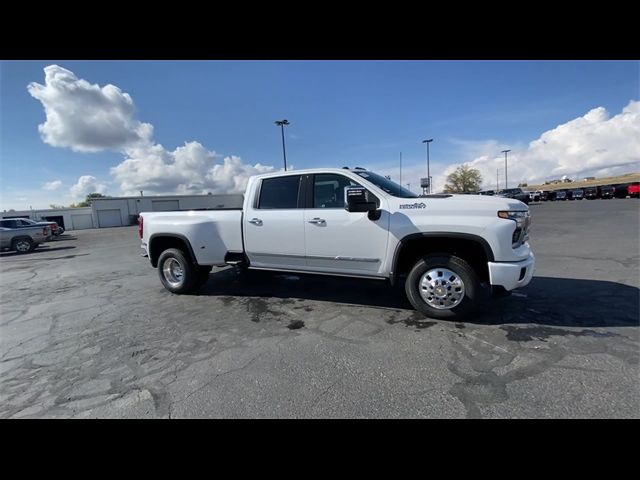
512 275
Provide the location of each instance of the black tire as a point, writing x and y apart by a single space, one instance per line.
474 292
189 277
23 245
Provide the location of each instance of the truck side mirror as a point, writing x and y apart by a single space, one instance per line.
357 200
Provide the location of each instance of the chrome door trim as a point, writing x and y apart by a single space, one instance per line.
321 257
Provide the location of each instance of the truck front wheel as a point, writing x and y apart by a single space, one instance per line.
444 287
177 272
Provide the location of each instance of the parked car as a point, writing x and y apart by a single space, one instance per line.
608 191
515 193
353 223
577 194
569 194
534 196
56 230
24 239
561 195
487 192
621 190
544 195
591 193
27 222
551 196
634 190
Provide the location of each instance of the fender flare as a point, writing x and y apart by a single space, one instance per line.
413 236
154 262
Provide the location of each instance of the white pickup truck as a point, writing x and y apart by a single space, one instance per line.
451 251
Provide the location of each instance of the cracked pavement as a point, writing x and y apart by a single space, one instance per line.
87 331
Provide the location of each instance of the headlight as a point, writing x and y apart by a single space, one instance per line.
523 220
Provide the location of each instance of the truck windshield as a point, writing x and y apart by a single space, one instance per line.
387 185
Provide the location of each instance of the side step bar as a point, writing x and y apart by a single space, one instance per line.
235 258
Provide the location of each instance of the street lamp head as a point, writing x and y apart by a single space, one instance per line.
281 122
427 141
505 151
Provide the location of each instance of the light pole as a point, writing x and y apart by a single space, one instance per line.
428 141
408 186
281 124
506 184
400 168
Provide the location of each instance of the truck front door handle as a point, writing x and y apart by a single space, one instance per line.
256 221
318 221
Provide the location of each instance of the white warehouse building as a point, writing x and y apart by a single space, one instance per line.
123 211
68 218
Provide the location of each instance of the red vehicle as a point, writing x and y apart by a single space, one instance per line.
634 190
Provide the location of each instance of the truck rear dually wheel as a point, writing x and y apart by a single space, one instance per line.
177 273
443 286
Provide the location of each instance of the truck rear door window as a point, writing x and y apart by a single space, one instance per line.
280 192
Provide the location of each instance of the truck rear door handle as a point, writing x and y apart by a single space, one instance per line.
256 221
318 221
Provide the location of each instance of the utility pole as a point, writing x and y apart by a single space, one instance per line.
506 182
428 141
281 124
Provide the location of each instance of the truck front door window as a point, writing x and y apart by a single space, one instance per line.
328 190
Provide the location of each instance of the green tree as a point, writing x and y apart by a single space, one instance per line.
464 179
87 201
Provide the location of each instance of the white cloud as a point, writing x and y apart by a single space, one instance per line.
86 117
53 185
187 169
90 118
594 144
85 185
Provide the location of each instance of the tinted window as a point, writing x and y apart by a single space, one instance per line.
9 223
387 185
279 192
328 190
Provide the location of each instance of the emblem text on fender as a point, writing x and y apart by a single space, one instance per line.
413 205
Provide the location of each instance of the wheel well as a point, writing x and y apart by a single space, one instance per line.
472 251
157 245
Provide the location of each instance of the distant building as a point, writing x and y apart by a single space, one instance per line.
123 211
589 178
67 218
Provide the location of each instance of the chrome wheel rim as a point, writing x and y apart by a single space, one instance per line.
172 272
441 288
22 246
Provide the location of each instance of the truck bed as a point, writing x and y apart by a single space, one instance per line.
211 233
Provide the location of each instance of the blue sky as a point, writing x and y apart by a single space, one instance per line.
341 112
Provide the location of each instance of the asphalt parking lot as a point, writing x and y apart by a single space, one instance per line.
87 330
